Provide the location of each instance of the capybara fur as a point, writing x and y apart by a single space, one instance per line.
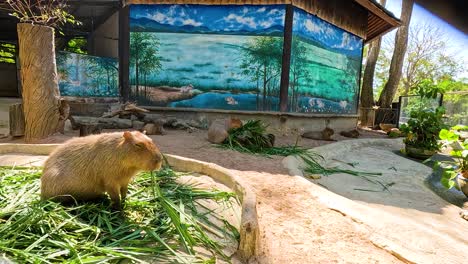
85 168
325 134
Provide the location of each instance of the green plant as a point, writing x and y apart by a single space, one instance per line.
251 136
164 221
459 154
423 128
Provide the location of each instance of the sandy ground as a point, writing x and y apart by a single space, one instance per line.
295 227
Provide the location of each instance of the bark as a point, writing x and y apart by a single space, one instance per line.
41 96
16 120
401 43
367 90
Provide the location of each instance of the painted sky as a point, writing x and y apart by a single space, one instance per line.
216 18
312 27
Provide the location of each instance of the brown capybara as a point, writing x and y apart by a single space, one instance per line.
86 168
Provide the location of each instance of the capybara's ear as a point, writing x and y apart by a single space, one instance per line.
128 135
144 132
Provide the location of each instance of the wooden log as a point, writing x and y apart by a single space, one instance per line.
16 120
90 129
106 123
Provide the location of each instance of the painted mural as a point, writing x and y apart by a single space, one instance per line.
325 67
204 56
84 75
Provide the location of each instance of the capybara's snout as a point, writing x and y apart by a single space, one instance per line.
157 161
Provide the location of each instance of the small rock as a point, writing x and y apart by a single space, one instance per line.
351 134
133 117
217 132
154 129
314 176
138 125
68 126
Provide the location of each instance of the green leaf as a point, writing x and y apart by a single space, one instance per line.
449 174
447 183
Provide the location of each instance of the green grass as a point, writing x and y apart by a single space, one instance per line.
160 223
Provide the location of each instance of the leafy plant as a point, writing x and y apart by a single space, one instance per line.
251 136
459 153
423 128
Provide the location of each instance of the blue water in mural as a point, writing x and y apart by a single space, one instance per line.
226 101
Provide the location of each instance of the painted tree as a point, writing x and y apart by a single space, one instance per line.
298 71
149 65
261 60
143 46
41 97
401 43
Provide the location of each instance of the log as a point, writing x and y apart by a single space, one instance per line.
40 90
90 129
17 120
106 123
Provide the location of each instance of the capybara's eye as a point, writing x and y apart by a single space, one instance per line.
139 145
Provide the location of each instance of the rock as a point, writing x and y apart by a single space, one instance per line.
386 127
138 125
351 134
90 129
154 129
217 132
68 126
314 176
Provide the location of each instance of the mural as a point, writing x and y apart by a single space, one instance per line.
84 75
325 67
202 56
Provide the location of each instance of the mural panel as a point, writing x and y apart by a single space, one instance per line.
204 56
84 75
325 67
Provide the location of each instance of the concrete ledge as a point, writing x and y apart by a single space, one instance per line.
249 229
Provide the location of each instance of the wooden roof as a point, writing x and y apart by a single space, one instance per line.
379 19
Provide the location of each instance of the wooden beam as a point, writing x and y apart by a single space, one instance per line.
286 62
124 51
373 8
114 3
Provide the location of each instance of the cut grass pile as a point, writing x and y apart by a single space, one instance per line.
252 138
160 223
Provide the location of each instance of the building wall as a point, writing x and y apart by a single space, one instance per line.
104 41
8 81
229 57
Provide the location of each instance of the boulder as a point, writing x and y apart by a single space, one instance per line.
154 129
217 132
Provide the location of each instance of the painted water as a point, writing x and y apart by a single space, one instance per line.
250 102
205 61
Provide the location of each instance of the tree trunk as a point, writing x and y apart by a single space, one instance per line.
367 90
41 95
401 43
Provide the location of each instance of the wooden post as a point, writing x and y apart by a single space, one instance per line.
286 62
16 120
124 51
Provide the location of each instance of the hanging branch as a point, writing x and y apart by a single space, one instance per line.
50 13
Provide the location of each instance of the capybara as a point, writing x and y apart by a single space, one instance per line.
325 134
85 168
